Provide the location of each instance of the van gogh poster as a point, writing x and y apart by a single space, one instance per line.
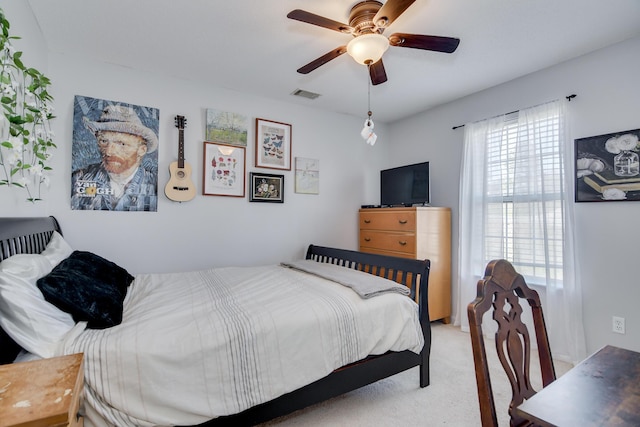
114 156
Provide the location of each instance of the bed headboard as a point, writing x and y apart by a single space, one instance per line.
28 235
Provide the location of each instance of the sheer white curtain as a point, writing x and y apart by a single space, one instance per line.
516 203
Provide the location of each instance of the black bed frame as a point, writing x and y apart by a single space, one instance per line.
26 235
30 235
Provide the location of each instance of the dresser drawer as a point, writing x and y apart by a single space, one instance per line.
386 241
379 219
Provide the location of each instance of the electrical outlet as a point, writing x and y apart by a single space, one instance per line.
618 325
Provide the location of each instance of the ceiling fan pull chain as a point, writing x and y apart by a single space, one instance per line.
367 132
369 113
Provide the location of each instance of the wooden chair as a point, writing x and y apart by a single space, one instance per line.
502 287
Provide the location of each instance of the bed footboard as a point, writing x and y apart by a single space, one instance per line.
412 273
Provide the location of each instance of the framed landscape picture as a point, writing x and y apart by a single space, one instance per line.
273 145
226 127
264 187
223 171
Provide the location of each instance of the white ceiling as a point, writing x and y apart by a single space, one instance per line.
251 46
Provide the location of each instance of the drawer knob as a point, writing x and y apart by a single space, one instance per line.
402 221
367 239
367 221
402 243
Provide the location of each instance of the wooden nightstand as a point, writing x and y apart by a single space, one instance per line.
42 393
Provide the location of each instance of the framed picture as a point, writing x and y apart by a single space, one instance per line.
607 167
307 176
223 171
92 188
273 145
264 187
226 127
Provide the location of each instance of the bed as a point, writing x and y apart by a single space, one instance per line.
397 334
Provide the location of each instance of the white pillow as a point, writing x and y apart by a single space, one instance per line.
57 249
35 324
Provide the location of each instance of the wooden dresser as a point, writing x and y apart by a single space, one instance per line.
42 393
418 232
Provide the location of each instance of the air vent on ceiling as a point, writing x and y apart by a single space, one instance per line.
305 94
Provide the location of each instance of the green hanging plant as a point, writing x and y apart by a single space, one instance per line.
26 139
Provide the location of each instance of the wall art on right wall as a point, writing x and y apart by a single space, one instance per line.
608 167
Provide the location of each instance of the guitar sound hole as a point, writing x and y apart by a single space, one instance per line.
180 174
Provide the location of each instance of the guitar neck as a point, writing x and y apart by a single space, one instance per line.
181 148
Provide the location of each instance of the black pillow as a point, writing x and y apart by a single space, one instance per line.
9 349
89 288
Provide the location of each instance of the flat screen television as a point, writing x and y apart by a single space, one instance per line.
405 185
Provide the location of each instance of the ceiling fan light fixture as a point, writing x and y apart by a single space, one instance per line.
368 48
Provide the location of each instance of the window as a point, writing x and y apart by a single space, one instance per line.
523 221
514 205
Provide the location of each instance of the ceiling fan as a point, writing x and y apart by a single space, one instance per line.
367 21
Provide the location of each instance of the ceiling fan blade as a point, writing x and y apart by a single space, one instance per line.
322 60
417 41
321 21
390 11
377 73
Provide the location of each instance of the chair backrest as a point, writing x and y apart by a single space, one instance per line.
502 288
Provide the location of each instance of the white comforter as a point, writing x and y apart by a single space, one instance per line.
195 346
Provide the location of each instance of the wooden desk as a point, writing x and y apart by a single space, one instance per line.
603 390
42 393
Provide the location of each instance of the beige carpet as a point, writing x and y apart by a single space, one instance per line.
450 400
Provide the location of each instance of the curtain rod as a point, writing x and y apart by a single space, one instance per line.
569 98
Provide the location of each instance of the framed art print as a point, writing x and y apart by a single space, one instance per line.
97 181
226 127
223 171
608 167
273 145
264 187
307 176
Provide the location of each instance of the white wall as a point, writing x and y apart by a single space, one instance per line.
214 231
209 230
608 236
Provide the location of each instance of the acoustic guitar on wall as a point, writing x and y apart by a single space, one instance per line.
180 187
